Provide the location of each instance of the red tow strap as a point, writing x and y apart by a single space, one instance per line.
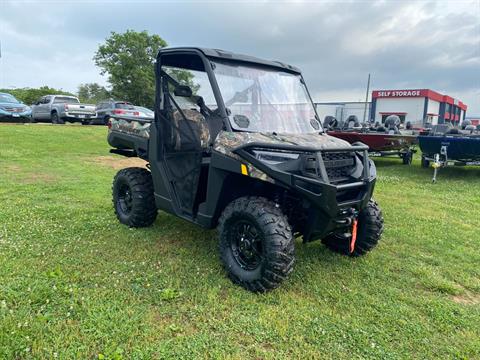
354 236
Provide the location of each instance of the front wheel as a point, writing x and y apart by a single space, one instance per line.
256 243
133 197
369 232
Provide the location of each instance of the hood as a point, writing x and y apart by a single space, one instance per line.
12 105
226 141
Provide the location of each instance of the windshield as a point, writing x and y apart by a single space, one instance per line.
7 98
261 99
124 106
144 110
65 100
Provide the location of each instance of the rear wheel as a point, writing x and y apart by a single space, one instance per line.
133 197
256 243
56 119
370 229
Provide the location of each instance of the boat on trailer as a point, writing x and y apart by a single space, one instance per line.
446 146
382 140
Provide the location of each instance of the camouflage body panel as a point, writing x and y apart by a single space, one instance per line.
199 127
258 174
227 141
133 127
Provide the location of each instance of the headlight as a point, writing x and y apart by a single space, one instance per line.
373 169
26 108
274 157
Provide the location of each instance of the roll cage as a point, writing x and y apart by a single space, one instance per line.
205 56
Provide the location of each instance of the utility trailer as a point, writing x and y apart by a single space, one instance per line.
445 146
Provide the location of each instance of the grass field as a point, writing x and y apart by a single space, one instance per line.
74 283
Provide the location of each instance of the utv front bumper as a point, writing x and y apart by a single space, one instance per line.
332 202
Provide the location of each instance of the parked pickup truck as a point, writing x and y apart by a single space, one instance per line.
60 108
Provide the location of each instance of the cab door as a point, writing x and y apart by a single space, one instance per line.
42 107
183 132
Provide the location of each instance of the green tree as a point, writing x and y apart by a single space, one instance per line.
30 95
128 60
92 93
183 77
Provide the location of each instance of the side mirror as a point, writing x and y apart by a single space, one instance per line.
183 91
242 121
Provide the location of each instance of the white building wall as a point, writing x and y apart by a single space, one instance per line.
356 109
413 107
326 110
433 108
343 111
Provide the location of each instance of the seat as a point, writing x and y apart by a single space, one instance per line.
393 130
191 132
330 122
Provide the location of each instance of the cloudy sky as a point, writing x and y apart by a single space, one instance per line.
421 44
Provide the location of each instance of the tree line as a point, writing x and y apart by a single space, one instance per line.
127 59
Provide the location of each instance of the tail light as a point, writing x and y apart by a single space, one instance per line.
109 123
118 111
136 113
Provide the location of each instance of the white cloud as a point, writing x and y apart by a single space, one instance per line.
402 43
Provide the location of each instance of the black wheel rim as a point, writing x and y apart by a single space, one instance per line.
125 199
246 242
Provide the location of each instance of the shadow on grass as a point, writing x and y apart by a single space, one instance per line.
458 172
451 172
202 245
183 233
388 162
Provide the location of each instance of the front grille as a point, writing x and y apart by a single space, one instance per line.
339 165
13 110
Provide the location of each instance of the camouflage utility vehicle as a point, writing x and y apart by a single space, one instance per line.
236 144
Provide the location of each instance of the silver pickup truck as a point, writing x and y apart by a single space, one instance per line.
60 108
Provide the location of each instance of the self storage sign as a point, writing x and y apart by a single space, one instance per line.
398 93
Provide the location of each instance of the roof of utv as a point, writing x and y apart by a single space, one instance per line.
227 55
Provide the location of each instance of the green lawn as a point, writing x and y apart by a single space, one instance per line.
75 283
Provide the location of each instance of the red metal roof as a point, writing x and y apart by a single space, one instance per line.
433 95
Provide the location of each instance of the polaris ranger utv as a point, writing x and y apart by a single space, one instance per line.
236 144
